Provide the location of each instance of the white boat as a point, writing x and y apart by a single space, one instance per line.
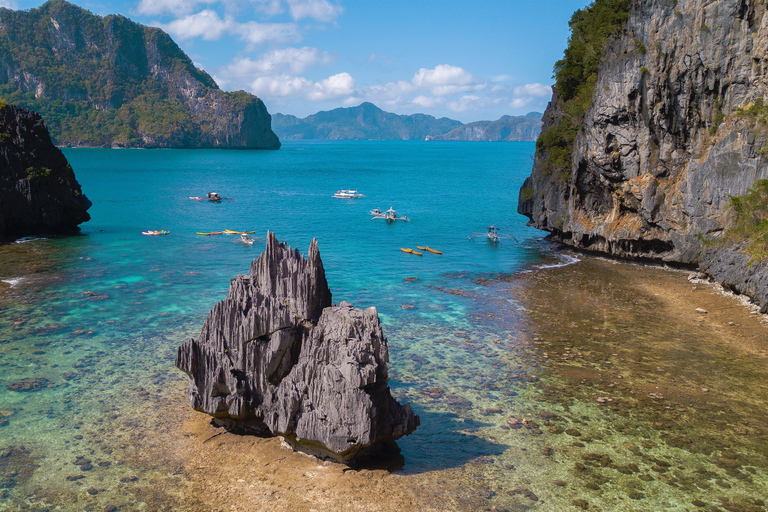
492 234
348 194
376 211
390 216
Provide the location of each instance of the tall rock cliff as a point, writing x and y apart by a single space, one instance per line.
673 127
38 190
276 356
112 82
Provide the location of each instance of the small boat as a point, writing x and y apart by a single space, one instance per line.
348 194
231 232
390 216
213 197
246 239
493 234
375 211
211 233
433 251
155 232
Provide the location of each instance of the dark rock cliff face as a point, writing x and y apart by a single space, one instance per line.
38 190
276 356
107 81
663 146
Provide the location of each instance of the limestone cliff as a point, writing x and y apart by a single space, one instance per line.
107 81
672 131
38 190
275 356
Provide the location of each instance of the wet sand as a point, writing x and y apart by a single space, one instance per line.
644 404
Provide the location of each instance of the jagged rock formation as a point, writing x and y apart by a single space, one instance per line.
509 128
107 81
276 355
663 145
38 190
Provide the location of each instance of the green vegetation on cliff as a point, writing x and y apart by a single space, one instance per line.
575 78
751 223
102 81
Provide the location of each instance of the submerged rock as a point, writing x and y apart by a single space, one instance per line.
275 356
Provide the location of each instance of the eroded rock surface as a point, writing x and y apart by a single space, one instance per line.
663 146
276 356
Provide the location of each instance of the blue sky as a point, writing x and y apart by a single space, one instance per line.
464 59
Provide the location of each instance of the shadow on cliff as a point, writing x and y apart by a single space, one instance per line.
444 440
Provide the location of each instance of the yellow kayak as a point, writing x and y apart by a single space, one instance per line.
209 234
406 250
432 250
417 253
421 248
232 232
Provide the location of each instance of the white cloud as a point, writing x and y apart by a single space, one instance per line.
10 4
536 90
206 23
258 33
155 7
210 26
528 93
426 101
468 102
333 87
320 10
501 78
269 8
288 60
445 79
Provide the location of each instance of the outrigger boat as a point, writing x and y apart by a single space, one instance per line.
155 232
348 194
214 197
492 235
246 239
390 216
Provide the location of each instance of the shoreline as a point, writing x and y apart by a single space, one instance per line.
231 472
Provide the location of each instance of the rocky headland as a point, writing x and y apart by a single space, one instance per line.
276 356
38 190
111 82
643 149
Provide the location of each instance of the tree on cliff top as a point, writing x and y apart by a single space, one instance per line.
576 75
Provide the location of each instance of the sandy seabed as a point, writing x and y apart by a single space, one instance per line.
653 312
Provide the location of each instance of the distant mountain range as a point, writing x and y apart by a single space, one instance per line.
108 81
368 122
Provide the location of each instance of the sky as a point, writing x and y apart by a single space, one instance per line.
468 60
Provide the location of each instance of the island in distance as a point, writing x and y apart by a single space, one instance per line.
110 82
368 122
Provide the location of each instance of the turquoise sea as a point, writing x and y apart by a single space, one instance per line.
89 324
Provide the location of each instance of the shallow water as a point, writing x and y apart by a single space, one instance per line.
524 381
